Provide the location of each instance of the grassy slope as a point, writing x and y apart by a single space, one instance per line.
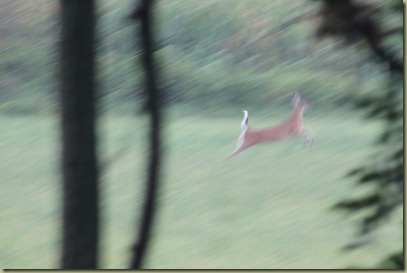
266 208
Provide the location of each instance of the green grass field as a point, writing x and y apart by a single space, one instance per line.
267 208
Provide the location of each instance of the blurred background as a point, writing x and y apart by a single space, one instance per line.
275 206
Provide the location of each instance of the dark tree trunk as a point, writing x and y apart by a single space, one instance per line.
79 161
143 13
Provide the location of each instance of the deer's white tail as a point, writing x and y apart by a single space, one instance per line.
245 121
245 127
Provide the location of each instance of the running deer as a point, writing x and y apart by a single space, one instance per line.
292 127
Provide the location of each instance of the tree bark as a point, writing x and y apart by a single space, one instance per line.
79 161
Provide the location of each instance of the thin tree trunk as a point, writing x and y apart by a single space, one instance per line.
79 162
143 13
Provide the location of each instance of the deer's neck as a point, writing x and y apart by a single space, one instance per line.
298 113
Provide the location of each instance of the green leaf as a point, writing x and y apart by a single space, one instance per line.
358 204
371 176
355 171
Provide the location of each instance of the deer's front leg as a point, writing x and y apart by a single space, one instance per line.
309 136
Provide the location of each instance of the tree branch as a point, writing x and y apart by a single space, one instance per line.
142 12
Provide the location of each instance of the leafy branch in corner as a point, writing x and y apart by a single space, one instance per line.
356 22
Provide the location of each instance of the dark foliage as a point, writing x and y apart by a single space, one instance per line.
358 22
386 173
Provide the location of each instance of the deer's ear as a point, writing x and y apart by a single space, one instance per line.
296 99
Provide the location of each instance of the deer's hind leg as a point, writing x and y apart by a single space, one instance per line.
240 144
237 151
